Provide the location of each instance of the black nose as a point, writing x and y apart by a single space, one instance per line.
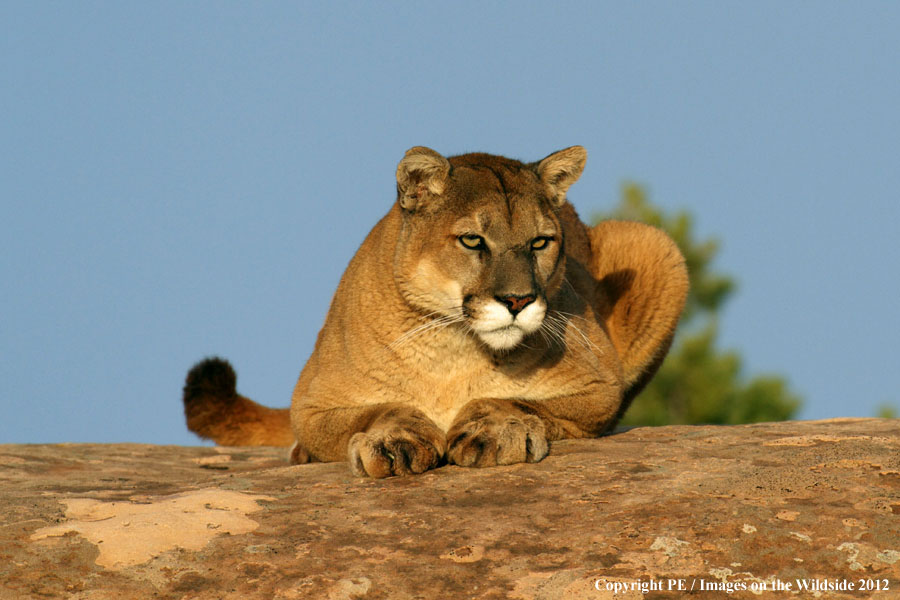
515 304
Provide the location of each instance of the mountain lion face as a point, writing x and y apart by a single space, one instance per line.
481 244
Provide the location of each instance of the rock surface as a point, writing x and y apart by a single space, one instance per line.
713 508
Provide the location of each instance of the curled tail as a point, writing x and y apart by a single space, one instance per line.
643 284
215 411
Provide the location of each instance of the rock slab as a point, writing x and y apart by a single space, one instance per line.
666 512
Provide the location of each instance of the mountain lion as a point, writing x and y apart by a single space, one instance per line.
479 321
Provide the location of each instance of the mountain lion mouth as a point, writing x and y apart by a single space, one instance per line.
501 330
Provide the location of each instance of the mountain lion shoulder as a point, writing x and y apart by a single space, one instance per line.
479 321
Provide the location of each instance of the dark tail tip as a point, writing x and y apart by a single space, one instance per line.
210 377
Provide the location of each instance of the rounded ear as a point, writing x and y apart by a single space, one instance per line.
421 172
560 170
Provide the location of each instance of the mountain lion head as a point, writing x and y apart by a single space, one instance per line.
481 243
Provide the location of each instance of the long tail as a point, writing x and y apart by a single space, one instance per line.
215 411
643 284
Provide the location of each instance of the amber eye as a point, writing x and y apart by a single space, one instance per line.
540 243
472 242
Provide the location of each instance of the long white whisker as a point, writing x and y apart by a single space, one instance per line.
588 344
553 331
438 323
433 324
563 320
561 313
543 332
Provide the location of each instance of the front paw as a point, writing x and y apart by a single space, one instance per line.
397 449
494 439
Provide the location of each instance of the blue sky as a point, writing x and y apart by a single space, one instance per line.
185 179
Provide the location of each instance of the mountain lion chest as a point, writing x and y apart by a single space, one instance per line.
440 380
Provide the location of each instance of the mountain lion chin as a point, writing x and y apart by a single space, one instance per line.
505 338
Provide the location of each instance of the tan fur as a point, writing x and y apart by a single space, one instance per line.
479 321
